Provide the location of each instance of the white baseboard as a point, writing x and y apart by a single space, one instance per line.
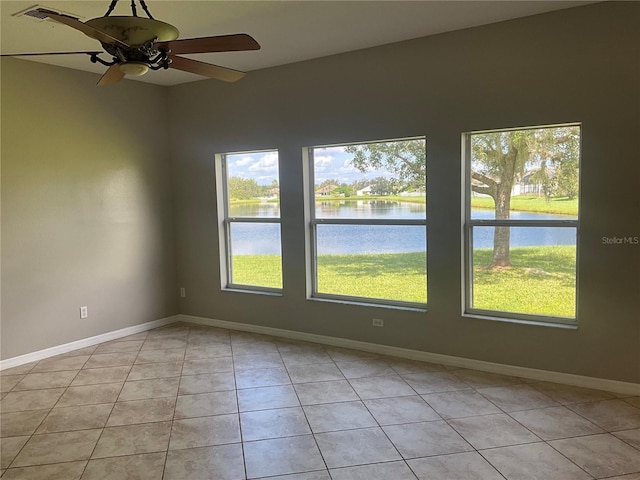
85 342
524 372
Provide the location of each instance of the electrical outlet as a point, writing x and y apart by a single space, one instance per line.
378 322
183 292
84 312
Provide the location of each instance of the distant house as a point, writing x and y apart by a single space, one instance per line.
531 182
364 191
326 190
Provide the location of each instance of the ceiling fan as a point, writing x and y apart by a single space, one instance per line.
139 44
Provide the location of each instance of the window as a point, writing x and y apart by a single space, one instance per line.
367 220
249 213
521 223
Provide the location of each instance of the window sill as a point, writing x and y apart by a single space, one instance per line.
535 323
361 303
271 293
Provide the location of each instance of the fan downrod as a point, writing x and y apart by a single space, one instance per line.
143 4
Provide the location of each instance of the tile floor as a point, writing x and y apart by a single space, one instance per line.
195 402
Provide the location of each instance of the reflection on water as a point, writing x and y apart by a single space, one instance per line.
338 209
370 209
263 209
343 239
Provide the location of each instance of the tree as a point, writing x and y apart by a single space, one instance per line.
568 168
328 183
406 159
499 159
360 184
344 190
244 188
384 186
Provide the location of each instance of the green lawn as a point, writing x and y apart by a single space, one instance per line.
522 203
258 270
541 280
391 276
532 203
400 276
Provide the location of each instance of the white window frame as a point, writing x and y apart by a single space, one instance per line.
469 224
312 224
225 221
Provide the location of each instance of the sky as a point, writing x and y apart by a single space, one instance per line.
330 163
260 166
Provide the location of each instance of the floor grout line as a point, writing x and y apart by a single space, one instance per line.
294 352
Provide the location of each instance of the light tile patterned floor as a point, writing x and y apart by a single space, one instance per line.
195 402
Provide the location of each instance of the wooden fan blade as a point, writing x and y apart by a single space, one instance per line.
205 69
112 75
221 43
47 53
86 29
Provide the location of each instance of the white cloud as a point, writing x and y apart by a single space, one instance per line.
268 163
347 167
329 150
261 166
264 179
241 162
322 163
335 163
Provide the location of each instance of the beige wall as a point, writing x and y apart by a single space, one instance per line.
86 206
577 65
87 187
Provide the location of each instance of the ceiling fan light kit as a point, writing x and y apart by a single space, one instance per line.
139 44
135 69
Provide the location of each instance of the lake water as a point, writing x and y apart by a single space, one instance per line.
248 239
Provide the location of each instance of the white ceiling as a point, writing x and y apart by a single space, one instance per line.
288 31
